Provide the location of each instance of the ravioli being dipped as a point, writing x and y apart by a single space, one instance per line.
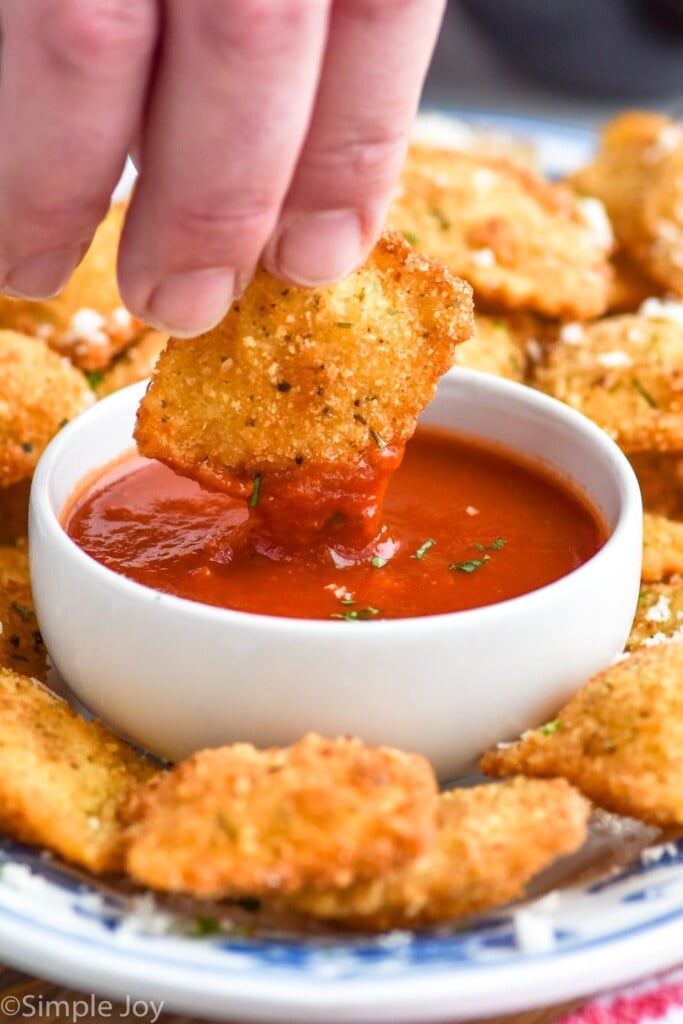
306 397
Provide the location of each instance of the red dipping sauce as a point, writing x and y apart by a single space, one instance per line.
465 524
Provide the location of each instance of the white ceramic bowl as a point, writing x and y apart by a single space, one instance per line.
175 676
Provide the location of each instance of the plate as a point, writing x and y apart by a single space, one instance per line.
578 936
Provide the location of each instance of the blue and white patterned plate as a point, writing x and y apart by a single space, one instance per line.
575 941
571 942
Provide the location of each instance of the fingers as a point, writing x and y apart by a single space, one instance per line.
229 110
74 76
376 59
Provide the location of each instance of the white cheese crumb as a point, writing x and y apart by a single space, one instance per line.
653 854
595 216
534 350
614 359
662 309
533 925
661 611
121 318
471 511
341 593
572 334
484 179
87 325
483 257
147 918
662 638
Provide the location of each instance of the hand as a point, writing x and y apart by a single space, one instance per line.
266 130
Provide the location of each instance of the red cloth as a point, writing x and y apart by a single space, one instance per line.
652 1000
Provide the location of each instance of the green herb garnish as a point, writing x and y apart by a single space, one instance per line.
358 614
379 441
440 217
550 727
499 543
253 500
411 237
378 562
423 549
475 563
205 926
94 378
24 613
644 393
343 323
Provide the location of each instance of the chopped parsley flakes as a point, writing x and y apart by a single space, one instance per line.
253 500
423 549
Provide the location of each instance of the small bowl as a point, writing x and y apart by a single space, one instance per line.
174 675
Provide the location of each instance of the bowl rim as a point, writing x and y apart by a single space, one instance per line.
118 403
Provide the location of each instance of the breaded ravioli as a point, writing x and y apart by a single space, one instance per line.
522 242
87 321
638 174
21 645
135 364
626 374
239 821
662 548
619 740
62 780
39 392
660 476
491 841
495 347
295 378
659 615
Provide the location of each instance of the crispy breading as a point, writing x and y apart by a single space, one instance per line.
295 377
659 615
660 475
62 780
39 392
236 820
495 347
491 841
87 321
14 511
136 363
626 374
21 645
522 242
638 174
630 287
662 548
619 740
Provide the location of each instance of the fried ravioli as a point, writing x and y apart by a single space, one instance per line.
135 364
659 615
638 174
21 645
62 780
626 374
39 392
238 821
521 242
491 841
662 548
87 321
300 377
619 740
495 347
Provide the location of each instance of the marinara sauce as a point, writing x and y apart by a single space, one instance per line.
464 524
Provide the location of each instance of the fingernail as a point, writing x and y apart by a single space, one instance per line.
319 248
185 305
44 276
